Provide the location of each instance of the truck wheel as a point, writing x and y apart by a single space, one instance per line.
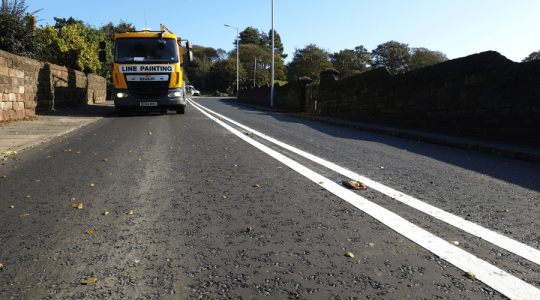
180 110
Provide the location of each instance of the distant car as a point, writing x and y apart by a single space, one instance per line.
194 92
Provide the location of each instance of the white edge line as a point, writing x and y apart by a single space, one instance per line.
498 279
495 238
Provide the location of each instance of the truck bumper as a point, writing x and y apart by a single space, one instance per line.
174 99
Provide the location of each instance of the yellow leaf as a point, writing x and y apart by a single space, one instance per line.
223 197
139 159
37 180
105 159
72 199
186 160
12 206
1 265
47 157
28 196
130 212
90 232
91 184
106 213
470 275
25 215
455 243
349 254
149 133
4 176
89 281
505 210
210 180
74 205
249 228
79 206
256 185
321 182
234 172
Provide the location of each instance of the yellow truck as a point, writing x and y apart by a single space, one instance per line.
148 69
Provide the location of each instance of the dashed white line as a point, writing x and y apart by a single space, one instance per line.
489 274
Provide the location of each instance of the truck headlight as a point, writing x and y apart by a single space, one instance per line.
175 94
121 95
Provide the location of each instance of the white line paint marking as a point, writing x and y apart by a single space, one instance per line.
495 238
498 279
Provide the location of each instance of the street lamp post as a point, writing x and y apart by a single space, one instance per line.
237 62
272 89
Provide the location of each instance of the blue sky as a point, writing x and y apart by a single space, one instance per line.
457 28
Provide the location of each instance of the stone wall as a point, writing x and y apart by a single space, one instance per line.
290 96
483 95
28 86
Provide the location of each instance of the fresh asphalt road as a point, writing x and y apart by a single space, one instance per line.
217 214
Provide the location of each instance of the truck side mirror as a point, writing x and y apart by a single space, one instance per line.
189 45
190 56
102 56
102 45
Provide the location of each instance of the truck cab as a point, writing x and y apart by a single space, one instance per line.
148 71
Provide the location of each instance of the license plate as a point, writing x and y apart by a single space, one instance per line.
148 103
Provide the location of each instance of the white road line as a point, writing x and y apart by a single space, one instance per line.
495 238
498 279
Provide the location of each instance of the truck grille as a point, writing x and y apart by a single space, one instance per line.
148 90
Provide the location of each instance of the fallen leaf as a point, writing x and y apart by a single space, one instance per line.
349 254
504 210
130 212
28 196
37 180
139 159
470 275
74 205
256 185
47 157
371 244
410 285
25 215
234 172
1 265
90 232
110 174
207 149
89 281
354 184
249 228
79 206
12 206
186 160
106 213
4 176
455 243
321 182
72 199
223 197
210 180
91 184
105 159
149 133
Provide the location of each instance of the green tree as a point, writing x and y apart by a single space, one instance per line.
533 56
111 29
199 70
16 29
223 75
351 62
250 35
74 46
422 57
393 56
248 53
278 45
308 62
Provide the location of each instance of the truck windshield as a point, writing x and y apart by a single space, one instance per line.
145 50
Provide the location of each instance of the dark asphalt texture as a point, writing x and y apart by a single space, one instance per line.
188 238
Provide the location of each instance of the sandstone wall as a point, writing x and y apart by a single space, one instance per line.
483 95
28 86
